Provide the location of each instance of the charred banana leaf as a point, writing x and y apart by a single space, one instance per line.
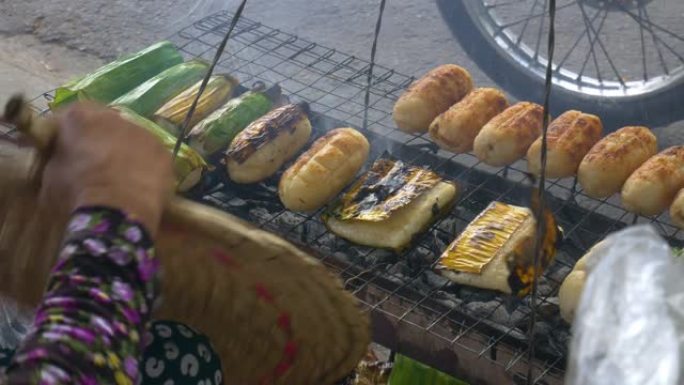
525 271
152 94
217 130
388 186
496 251
116 78
266 144
390 205
172 114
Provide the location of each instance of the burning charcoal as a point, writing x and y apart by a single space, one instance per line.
287 220
482 309
425 146
435 280
259 215
237 202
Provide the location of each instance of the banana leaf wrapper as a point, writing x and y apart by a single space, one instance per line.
171 115
188 166
215 132
148 97
115 79
409 372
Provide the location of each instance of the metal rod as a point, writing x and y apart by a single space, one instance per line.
369 80
217 57
541 225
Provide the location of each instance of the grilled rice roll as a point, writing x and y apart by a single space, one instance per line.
614 158
677 210
171 115
323 170
266 144
652 187
456 128
506 138
431 95
496 250
570 137
571 289
390 204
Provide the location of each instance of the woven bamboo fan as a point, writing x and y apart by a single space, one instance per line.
274 314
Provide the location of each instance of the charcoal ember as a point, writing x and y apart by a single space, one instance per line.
549 340
307 232
287 220
451 226
483 310
435 280
424 146
401 268
236 202
420 285
397 279
447 300
471 294
259 215
416 260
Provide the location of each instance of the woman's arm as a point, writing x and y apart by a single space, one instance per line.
89 326
115 178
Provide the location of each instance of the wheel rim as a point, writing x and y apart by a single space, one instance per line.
611 48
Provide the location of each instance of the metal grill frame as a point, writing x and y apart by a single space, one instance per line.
407 321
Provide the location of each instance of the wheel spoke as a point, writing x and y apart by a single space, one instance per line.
527 23
591 44
643 46
655 36
576 43
597 39
653 25
511 23
540 33
647 18
531 17
505 3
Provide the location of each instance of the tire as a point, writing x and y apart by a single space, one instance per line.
658 107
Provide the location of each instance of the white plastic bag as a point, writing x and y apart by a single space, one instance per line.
630 322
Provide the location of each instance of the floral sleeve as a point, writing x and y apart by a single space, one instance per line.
89 325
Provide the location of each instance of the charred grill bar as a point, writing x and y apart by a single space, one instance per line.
477 335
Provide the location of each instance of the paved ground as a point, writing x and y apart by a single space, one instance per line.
47 42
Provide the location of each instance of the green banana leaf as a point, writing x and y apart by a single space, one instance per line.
409 372
148 97
115 79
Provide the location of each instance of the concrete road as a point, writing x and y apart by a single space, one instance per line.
414 36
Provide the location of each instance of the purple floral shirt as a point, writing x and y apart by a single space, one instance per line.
89 327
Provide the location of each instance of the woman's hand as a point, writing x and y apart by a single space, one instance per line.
100 159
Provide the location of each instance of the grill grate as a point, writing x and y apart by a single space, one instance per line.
475 334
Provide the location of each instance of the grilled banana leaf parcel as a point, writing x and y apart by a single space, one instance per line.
216 131
171 115
496 250
116 78
389 205
188 166
148 97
